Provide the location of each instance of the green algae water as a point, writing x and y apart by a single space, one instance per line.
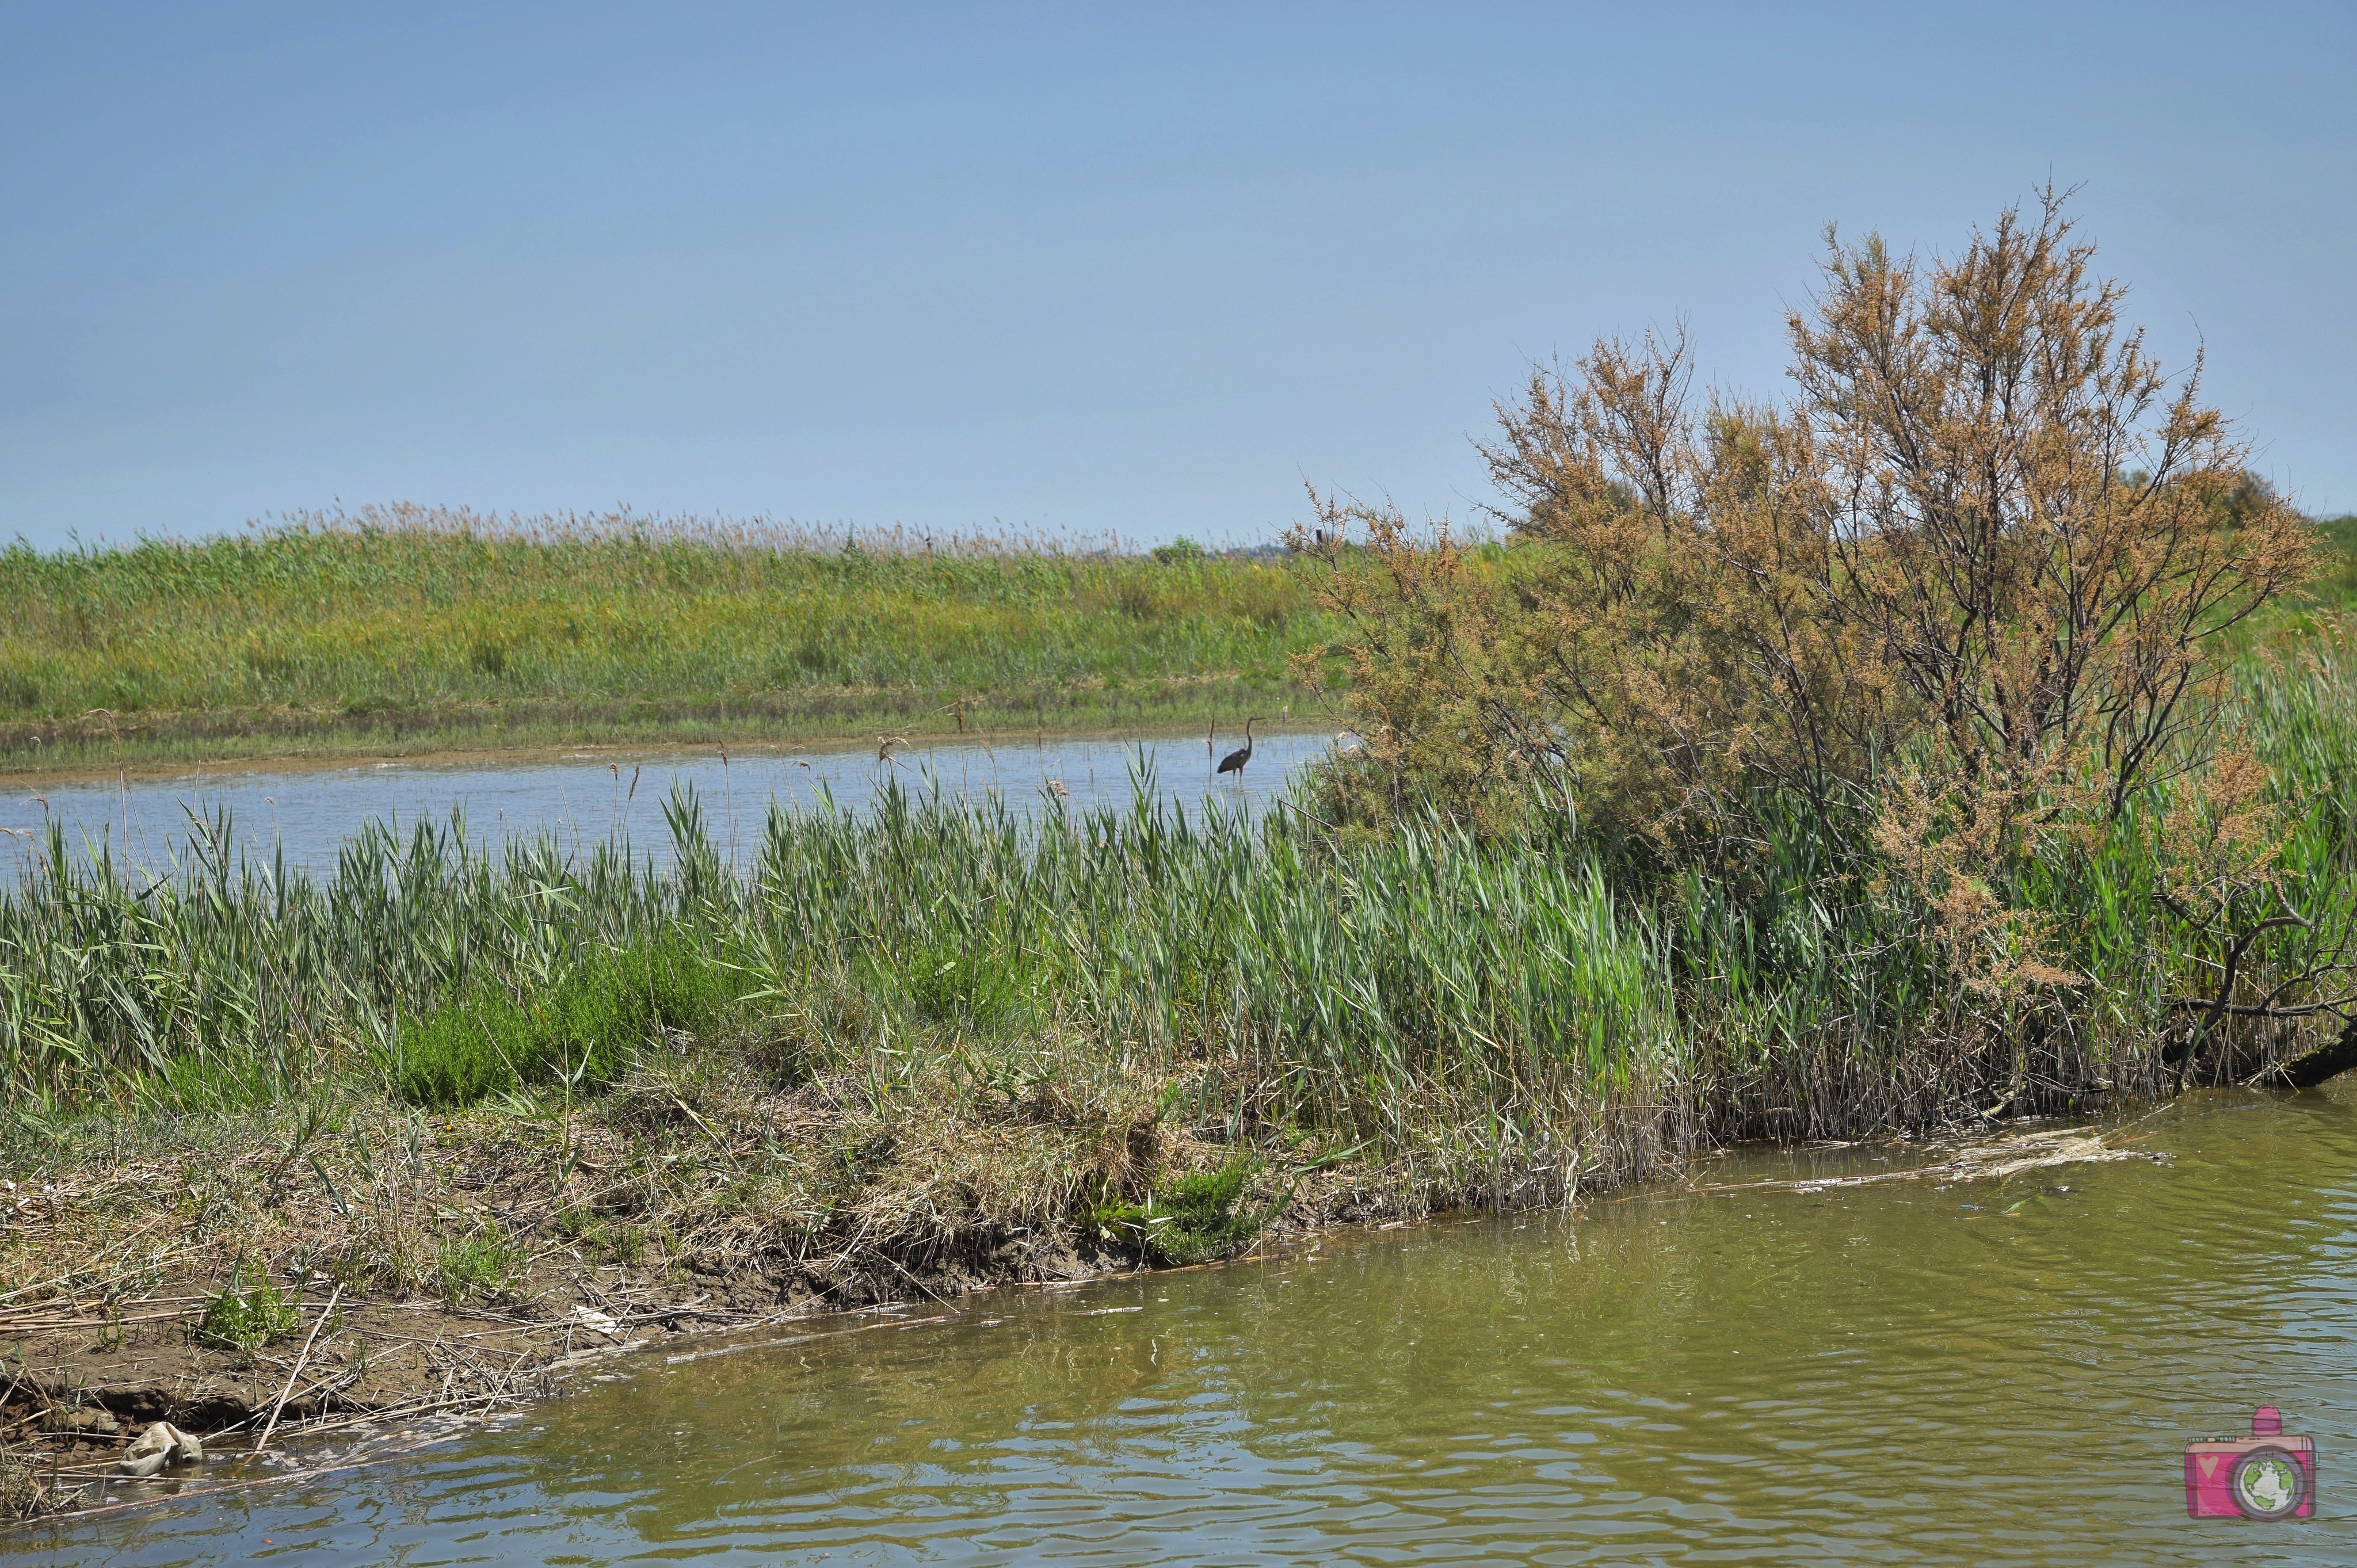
1904 1373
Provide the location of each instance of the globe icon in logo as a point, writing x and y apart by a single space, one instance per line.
2267 1483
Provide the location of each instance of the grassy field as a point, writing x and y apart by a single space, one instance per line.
410 631
406 632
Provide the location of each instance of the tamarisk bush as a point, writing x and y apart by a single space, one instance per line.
1964 605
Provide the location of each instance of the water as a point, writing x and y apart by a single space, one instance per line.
1897 1373
585 798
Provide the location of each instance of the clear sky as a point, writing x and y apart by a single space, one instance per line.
1144 269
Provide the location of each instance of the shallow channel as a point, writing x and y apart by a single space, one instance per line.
587 799
1887 1373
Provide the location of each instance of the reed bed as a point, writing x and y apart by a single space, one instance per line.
1528 1014
1256 979
406 629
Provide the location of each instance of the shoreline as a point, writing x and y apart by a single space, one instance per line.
92 1368
205 740
625 749
417 1391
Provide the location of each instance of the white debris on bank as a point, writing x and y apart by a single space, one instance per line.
162 1443
1994 1161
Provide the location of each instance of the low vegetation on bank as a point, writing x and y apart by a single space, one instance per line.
1966 740
406 630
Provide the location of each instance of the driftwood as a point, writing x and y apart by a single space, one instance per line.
1978 1161
2325 1061
296 1370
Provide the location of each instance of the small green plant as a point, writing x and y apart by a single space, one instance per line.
1181 549
484 1265
247 1313
1192 1221
603 1240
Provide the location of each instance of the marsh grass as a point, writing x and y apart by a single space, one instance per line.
575 1032
942 1036
485 1264
406 629
601 1238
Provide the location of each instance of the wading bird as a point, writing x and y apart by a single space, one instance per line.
1234 762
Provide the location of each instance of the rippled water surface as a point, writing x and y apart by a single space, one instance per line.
585 799
1894 1373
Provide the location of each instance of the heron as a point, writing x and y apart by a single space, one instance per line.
1234 762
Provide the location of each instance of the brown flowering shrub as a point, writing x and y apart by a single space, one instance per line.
1963 600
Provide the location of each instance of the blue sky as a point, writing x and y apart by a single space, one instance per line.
1131 269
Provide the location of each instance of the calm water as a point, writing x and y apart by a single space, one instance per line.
1881 1374
584 800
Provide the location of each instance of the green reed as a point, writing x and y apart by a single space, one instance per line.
1425 993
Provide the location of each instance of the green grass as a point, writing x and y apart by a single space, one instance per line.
410 631
1194 1218
2335 584
578 1031
485 1264
601 1238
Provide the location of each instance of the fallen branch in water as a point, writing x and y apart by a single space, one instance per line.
806 1338
466 1405
1979 1162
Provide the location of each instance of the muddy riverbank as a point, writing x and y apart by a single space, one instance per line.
1864 1354
336 1359
230 1274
